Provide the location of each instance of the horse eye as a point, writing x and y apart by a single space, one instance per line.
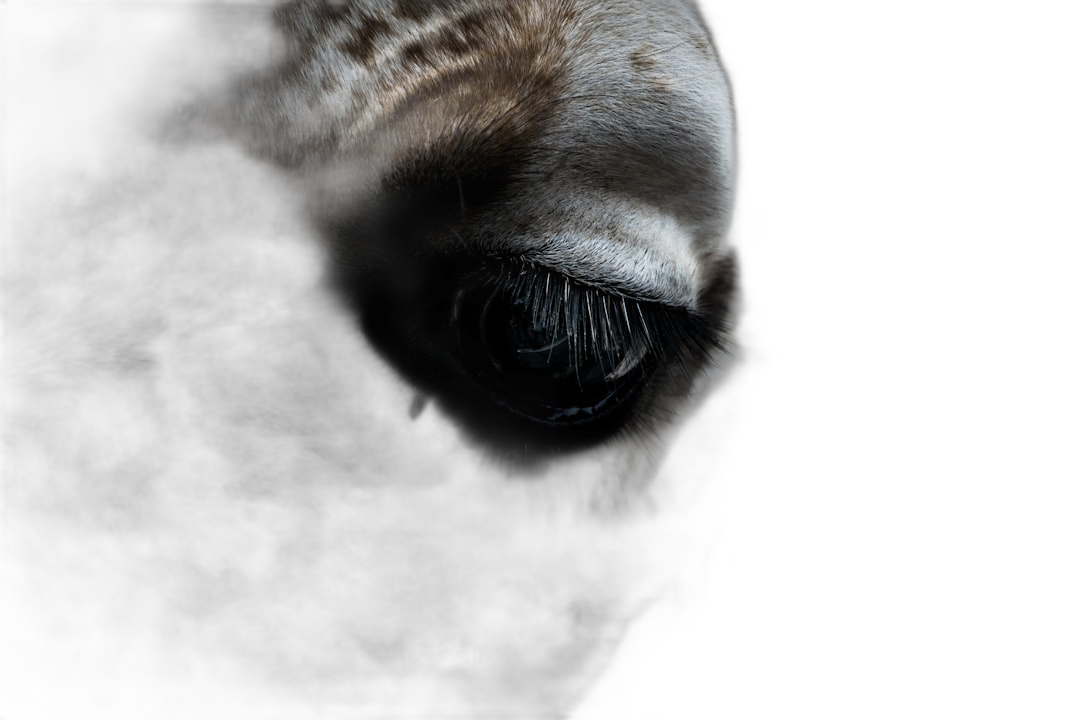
555 367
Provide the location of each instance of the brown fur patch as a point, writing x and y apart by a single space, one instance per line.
488 111
417 10
362 43
336 10
642 59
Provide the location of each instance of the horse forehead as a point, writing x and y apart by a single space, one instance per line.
602 96
339 71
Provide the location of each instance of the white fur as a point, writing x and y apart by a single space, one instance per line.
219 503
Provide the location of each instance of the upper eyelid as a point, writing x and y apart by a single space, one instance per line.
636 293
611 286
657 325
624 264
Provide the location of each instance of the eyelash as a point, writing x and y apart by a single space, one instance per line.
543 469
674 342
601 320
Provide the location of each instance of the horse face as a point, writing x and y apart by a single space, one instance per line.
345 343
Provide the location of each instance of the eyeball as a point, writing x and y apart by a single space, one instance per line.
540 362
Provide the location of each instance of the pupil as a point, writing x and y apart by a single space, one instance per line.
543 372
557 357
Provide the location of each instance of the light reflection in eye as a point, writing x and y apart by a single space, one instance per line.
555 351
533 364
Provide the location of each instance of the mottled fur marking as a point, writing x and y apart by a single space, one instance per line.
221 355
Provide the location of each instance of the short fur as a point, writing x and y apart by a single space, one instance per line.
223 501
